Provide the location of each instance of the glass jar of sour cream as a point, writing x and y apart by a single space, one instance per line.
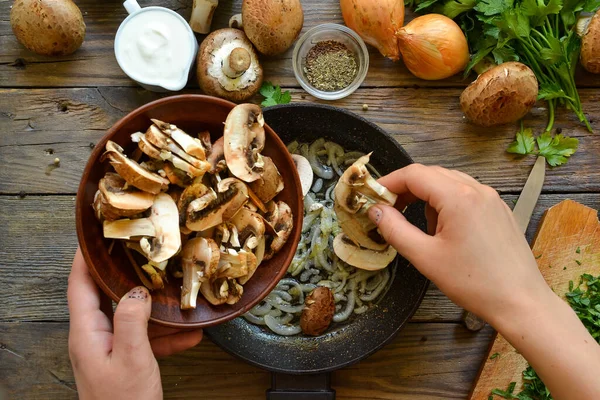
155 47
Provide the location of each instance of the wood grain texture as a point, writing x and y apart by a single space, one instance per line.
565 228
37 236
426 361
427 122
94 64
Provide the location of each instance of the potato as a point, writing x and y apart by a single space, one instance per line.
320 307
48 27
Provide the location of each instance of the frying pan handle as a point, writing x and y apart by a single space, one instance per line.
300 387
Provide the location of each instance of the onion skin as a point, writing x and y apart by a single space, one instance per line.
433 47
590 45
376 22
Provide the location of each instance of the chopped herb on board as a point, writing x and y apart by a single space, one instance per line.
538 257
578 262
578 251
495 355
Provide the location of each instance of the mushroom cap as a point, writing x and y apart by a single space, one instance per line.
272 25
360 257
270 182
283 226
244 137
165 218
500 95
215 48
117 201
590 45
318 314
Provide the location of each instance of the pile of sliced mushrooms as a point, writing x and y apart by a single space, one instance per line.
207 212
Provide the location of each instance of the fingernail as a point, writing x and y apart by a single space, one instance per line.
138 292
375 214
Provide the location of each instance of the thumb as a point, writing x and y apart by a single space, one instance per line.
410 241
130 338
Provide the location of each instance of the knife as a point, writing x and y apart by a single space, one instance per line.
522 213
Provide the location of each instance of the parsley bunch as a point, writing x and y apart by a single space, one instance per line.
586 303
539 33
556 149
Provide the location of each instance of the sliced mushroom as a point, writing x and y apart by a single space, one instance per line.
217 156
361 257
199 262
191 193
251 231
132 172
167 240
204 138
355 193
221 290
269 184
244 137
158 138
228 66
145 146
231 196
233 264
115 200
252 264
283 227
155 276
202 15
304 171
129 228
176 176
189 144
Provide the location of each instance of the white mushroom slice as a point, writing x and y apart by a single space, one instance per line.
217 156
270 183
304 171
128 228
232 194
199 262
202 15
145 146
252 265
158 138
249 224
176 176
361 257
189 194
233 265
132 172
182 165
155 276
234 236
222 233
221 290
355 193
115 200
136 246
244 140
190 145
283 227
167 241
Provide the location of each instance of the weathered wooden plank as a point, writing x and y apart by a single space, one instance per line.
94 64
427 122
37 236
426 361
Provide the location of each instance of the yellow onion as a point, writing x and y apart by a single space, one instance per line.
376 21
433 47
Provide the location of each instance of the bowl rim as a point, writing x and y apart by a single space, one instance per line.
93 162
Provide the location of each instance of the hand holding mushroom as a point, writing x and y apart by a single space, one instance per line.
205 211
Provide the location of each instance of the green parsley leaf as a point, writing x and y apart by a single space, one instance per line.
585 301
504 54
578 262
453 8
495 355
493 7
550 91
273 95
578 250
524 143
556 149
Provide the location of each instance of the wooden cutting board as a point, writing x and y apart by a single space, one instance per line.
563 229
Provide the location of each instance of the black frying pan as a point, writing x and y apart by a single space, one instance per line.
362 335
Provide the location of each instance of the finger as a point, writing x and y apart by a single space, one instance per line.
131 325
166 345
82 292
409 240
432 219
456 175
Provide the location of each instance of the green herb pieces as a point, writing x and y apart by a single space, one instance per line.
533 388
555 148
578 250
495 355
585 301
273 95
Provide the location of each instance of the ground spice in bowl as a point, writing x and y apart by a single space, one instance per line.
330 66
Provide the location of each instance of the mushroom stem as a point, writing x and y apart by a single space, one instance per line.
202 14
236 63
236 22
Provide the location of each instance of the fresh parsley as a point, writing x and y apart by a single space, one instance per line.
495 355
273 95
555 148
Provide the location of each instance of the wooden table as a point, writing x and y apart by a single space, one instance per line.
60 107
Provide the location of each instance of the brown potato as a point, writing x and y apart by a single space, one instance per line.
48 27
320 307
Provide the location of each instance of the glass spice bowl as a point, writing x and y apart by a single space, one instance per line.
338 33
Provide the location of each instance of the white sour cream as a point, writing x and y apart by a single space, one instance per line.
154 47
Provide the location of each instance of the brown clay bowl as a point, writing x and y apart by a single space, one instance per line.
113 272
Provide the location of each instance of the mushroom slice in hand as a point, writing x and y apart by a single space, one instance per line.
190 145
232 194
228 66
202 15
361 257
355 192
167 241
304 171
132 172
199 262
244 137
283 227
270 182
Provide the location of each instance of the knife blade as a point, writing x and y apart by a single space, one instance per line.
522 212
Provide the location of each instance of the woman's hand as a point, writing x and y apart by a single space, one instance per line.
117 362
474 252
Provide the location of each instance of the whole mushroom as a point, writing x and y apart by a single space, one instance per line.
590 42
500 95
271 25
228 66
318 313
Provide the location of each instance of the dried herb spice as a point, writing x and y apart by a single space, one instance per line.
330 66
